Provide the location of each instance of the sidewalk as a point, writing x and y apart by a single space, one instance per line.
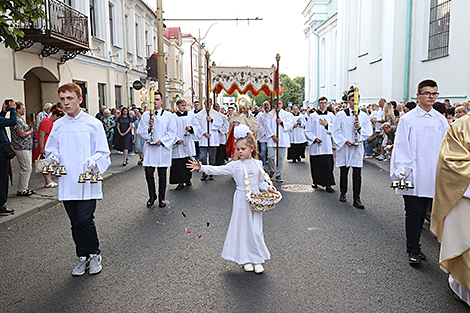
46 198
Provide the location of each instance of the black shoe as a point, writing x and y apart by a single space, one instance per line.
180 186
342 197
151 202
329 189
413 258
422 256
294 161
6 210
314 186
299 160
211 177
357 204
203 177
162 204
189 184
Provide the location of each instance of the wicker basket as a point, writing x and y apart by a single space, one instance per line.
264 201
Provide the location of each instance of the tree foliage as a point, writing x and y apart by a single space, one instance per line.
14 12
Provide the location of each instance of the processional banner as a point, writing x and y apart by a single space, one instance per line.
243 79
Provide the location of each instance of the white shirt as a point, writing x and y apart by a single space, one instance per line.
297 134
261 117
76 139
284 129
379 115
214 126
315 130
164 129
189 148
343 130
416 150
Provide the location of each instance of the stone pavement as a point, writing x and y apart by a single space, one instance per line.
46 198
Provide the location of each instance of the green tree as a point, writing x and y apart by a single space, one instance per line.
14 12
292 90
301 81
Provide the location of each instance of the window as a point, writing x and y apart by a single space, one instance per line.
92 18
84 93
111 23
69 2
101 93
439 23
117 95
137 39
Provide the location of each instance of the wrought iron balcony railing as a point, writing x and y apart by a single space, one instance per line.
63 27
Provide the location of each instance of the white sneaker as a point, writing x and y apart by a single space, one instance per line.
83 264
259 268
248 267
95 264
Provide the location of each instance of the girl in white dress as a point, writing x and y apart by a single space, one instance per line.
244 243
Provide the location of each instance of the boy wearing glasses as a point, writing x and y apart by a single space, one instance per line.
414 158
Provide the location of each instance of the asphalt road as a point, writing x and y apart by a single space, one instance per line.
326 255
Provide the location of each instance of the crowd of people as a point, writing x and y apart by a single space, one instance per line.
218 141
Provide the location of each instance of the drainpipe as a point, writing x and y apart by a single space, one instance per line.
192 73
407 57
124 49
318 64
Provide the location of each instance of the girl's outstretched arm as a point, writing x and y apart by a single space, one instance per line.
194 166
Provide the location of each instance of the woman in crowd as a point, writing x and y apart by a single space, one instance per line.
124 136
22 143
389 114
43 133
138 141
108 125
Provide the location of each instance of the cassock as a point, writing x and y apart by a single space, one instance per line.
284 131
214 126
164 129
74 140
181 153
343 130
297 138
419 132
321 155
451 206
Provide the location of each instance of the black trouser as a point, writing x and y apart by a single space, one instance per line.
149 170
81 215
415 212
4 169
356 178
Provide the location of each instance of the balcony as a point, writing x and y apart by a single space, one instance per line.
62 28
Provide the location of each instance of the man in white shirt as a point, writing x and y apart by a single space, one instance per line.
318 133
221 155
184 147
157 155
78 142
277 132
209 123
414 158
262 138
379 119
349 153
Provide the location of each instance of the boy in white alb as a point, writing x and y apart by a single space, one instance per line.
78 142
414 158
284 123
157 155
